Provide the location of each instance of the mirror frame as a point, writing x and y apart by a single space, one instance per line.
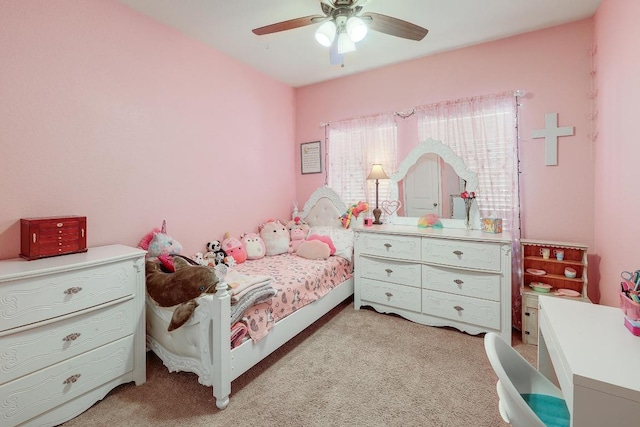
432 146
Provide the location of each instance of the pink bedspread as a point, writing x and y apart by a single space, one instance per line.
298 281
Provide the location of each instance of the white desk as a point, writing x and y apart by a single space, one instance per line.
586 349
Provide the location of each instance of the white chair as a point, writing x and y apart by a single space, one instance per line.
527 398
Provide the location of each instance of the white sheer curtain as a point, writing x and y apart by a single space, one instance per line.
482 130
353 146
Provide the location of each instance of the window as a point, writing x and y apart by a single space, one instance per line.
481 130
353 147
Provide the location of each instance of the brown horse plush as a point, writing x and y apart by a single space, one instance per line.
180 288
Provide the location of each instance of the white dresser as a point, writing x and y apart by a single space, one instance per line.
443 277
71 329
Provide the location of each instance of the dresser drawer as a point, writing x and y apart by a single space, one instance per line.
398 296
37 348
389 245
460 308
462 282
53 386
26 301
403 273
458 253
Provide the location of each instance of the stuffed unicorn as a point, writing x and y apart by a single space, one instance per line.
158 243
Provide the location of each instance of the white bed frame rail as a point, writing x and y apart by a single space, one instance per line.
202 345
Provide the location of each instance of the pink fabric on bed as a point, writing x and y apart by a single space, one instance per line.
298 281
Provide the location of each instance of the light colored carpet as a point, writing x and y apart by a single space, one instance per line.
351 368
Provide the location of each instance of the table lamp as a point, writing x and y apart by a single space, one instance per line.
377 173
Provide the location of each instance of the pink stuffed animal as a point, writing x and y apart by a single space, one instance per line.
254 245
325 239
234 248
298 230
297 237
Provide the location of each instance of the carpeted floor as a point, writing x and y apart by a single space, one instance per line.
351 368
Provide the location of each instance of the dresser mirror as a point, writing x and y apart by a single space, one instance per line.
430 180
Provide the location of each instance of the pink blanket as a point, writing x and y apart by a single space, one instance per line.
298 282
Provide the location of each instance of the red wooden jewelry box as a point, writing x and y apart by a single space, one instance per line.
52 236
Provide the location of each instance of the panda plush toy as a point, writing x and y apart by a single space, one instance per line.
215 253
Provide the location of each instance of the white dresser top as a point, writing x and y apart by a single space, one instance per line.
17 268
443 233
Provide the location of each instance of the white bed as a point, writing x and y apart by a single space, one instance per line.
200 347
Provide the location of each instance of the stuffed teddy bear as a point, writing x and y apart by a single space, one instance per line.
254 245
158 243
275 236
179 288
234 248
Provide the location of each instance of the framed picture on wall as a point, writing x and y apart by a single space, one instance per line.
311 157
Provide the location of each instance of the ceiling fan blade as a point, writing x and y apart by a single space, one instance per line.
289 25
394 26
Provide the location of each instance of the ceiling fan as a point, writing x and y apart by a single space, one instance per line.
343 25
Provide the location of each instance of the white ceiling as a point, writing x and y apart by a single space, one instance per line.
295 58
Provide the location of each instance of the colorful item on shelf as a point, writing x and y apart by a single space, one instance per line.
570 272
567 293
536 272
540 287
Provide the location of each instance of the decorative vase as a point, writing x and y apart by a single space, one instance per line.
467 209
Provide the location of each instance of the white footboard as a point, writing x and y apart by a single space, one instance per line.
202 345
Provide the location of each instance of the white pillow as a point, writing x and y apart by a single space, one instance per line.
342 239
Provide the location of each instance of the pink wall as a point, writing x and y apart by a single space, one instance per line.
552 65
617 148
108 114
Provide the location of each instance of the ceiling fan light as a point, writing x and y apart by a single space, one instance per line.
356 28
345 44
326 33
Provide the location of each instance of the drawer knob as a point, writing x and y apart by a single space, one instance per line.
73 290
458 253
71 337
72 379
389 271
458 308
34 237
389 295
59 225
458 282
387 245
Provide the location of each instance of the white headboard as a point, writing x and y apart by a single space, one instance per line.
324 207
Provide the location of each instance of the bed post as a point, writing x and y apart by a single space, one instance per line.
221 345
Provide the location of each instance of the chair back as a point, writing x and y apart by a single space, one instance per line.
516 377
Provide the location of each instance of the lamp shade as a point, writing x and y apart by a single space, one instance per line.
326 33
356 28
377 172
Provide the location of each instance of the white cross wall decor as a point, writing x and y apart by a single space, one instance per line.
550 133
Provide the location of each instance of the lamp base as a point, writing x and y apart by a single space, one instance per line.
376 216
